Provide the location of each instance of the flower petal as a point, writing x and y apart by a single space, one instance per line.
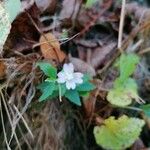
61 77
70 85
78 78
78 74
68 68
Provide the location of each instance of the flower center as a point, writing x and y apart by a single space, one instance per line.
69 76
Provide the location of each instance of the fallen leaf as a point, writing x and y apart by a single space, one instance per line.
50 48
2 69
82 66
100 54
140 13
44 4
70 9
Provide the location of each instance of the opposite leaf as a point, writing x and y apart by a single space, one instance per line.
118 134
87 86
48 69
47 89
73 96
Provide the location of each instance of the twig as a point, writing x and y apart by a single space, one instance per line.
121 25
146 50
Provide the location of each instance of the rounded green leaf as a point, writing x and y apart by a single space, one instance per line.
122 95
119 97
118 134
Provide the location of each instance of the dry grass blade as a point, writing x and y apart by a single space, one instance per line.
121 24
25 123
10 121
3 126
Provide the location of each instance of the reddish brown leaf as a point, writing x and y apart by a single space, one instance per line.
2 69
50 48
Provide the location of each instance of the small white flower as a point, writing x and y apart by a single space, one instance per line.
69 77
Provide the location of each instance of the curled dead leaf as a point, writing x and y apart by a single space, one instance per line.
100 54
82 66
50 48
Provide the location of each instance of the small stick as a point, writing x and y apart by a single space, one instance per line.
121 25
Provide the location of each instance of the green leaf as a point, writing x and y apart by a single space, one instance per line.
48 69
118 134
119 97
13 7
146 109
127 65
63 89
73 96
47 89
122 95
86 78
87 86
84 93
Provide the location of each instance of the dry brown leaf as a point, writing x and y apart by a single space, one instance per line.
100 54
50 48
2 69
82 66
140 13
44 4
70 9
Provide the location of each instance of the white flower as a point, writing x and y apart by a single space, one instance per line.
69 77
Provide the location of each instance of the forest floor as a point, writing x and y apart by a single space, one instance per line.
92 35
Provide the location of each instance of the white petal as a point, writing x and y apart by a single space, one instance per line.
78 77
70 85
71 67
79 81
68 68
78 74
61 77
